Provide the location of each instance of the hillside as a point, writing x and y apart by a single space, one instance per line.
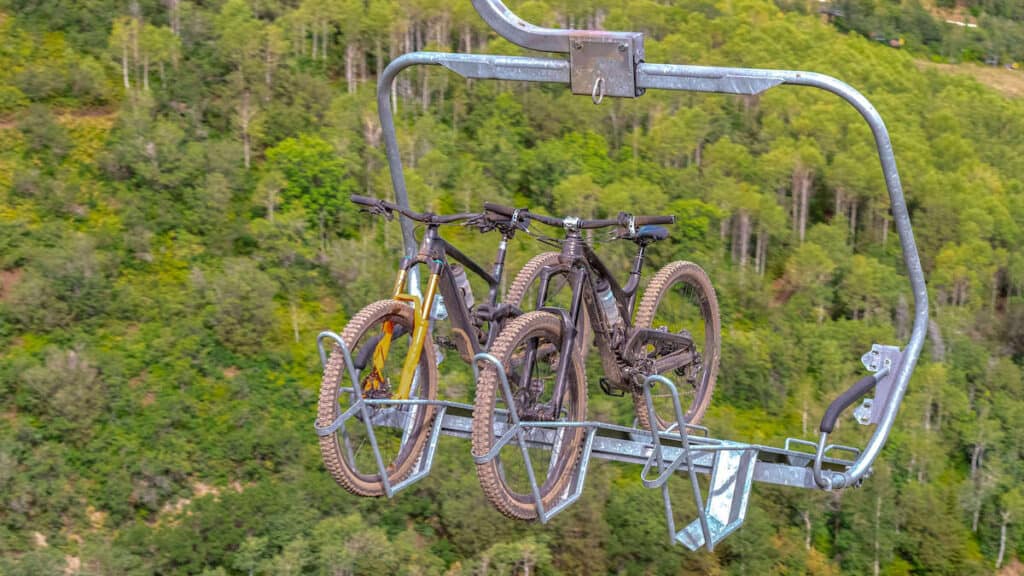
1006 82
174 233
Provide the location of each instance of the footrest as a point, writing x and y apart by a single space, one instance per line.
728 496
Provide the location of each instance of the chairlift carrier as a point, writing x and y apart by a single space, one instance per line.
604 64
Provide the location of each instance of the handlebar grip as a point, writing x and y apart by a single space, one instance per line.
499 209
654 220
845 400
364 200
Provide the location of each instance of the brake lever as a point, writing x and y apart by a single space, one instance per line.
482 223
620 234
379 210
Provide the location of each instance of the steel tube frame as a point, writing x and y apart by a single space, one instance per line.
722 80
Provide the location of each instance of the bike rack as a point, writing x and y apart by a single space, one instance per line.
732 466
611 64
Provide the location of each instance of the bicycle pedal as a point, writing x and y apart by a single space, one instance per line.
607 388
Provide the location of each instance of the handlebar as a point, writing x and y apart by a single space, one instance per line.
623 219
378 206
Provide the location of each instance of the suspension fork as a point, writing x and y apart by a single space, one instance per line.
531 347
577 275
380 352
421 327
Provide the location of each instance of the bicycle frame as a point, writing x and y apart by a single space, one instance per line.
434 252
582 266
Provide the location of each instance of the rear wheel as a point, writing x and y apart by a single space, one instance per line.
504 479
401 431
680 299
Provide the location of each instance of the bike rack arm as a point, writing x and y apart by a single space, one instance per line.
700 79
752 81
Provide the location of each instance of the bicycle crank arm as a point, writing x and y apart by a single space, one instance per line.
674 361
663 342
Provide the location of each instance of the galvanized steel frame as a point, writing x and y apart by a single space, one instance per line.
722 80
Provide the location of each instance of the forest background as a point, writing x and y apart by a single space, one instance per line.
174 232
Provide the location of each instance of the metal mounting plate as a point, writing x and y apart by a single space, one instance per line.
605 66
881 358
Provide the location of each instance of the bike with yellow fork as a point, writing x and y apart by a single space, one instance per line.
378 400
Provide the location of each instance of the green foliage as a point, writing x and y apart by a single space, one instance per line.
240 298
317 180
175 231
990 31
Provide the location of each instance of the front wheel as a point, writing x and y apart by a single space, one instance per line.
680 299
504 478
401 431
524 292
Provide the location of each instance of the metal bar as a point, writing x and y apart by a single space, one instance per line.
771 467
575 490
515 430
426 459
364 407
704 79
349 365
520 32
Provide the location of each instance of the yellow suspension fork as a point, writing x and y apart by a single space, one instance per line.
375 380
421 328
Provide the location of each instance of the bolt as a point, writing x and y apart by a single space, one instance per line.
578 45
622 47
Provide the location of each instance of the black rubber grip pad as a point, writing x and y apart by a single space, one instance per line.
363 200
654 220
845 400
499 209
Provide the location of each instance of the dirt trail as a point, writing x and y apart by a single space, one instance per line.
1008 82
8 280
11 120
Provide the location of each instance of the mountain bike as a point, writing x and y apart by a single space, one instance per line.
393 351
676 330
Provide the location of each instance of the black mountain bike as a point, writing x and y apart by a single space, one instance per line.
675 331
392 346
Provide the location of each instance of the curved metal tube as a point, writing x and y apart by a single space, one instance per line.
901 218
520 32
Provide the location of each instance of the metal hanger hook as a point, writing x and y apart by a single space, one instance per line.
597 95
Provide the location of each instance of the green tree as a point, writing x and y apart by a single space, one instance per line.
317 179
